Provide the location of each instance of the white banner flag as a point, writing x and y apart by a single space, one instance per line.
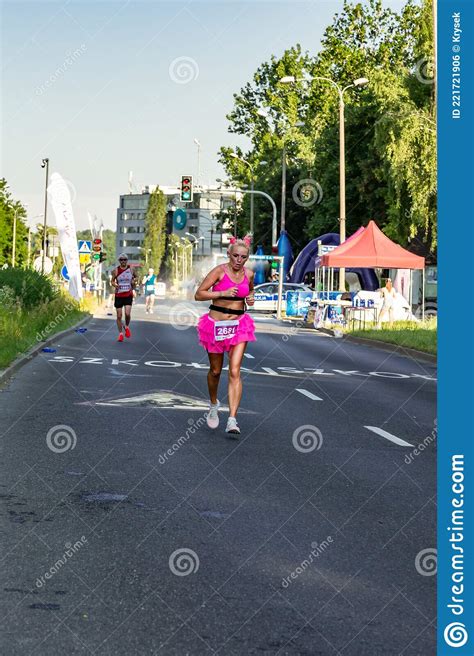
60 199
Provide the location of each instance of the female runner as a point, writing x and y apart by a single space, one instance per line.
227 327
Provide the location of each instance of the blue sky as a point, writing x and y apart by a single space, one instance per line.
92 86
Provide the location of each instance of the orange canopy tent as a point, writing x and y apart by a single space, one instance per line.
372 249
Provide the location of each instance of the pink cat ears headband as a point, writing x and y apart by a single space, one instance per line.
247 240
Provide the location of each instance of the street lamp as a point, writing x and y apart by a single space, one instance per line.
198 144
45 165
359 82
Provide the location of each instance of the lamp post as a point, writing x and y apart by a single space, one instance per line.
198 144
211 223
45 165
359 82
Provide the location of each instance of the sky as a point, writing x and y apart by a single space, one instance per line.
104 88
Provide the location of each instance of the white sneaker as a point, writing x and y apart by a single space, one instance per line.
232 426
212 417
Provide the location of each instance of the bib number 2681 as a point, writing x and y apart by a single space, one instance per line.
225 330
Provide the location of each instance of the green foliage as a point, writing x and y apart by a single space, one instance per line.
389 127
421 336
28 287
108 239
178 257
8 209
155 231
21 327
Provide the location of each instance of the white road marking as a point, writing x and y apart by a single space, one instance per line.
247 355
310 395
388 436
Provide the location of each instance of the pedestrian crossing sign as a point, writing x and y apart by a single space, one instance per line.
84 246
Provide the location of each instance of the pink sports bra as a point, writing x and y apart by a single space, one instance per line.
227 283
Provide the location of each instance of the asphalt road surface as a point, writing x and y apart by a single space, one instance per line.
129 527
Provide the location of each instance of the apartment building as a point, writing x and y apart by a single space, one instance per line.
200 225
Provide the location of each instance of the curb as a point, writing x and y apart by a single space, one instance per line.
383 346
7 373
386 346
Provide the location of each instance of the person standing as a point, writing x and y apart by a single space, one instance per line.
388 293
148 283
124 280
227 328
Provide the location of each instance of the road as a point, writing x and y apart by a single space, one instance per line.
129 527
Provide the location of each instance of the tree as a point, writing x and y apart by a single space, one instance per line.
154 242
390 138
10 208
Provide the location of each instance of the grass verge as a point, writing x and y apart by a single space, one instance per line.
421 336
21 329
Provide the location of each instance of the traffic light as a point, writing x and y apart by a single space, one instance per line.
97 250
186 189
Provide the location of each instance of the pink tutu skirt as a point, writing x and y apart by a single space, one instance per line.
205 329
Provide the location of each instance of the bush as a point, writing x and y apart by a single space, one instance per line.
20 329
28 287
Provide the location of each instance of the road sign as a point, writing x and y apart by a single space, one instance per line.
179 219
84 246
38 264
65 273
84 258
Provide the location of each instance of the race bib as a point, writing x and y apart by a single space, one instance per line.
124 287
225 330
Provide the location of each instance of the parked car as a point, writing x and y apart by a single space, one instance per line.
266 295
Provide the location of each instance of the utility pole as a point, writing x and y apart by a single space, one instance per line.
342 188
283 187
45 164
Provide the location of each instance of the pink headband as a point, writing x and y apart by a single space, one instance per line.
247 240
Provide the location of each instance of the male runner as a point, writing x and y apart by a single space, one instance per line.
149 285
124 280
